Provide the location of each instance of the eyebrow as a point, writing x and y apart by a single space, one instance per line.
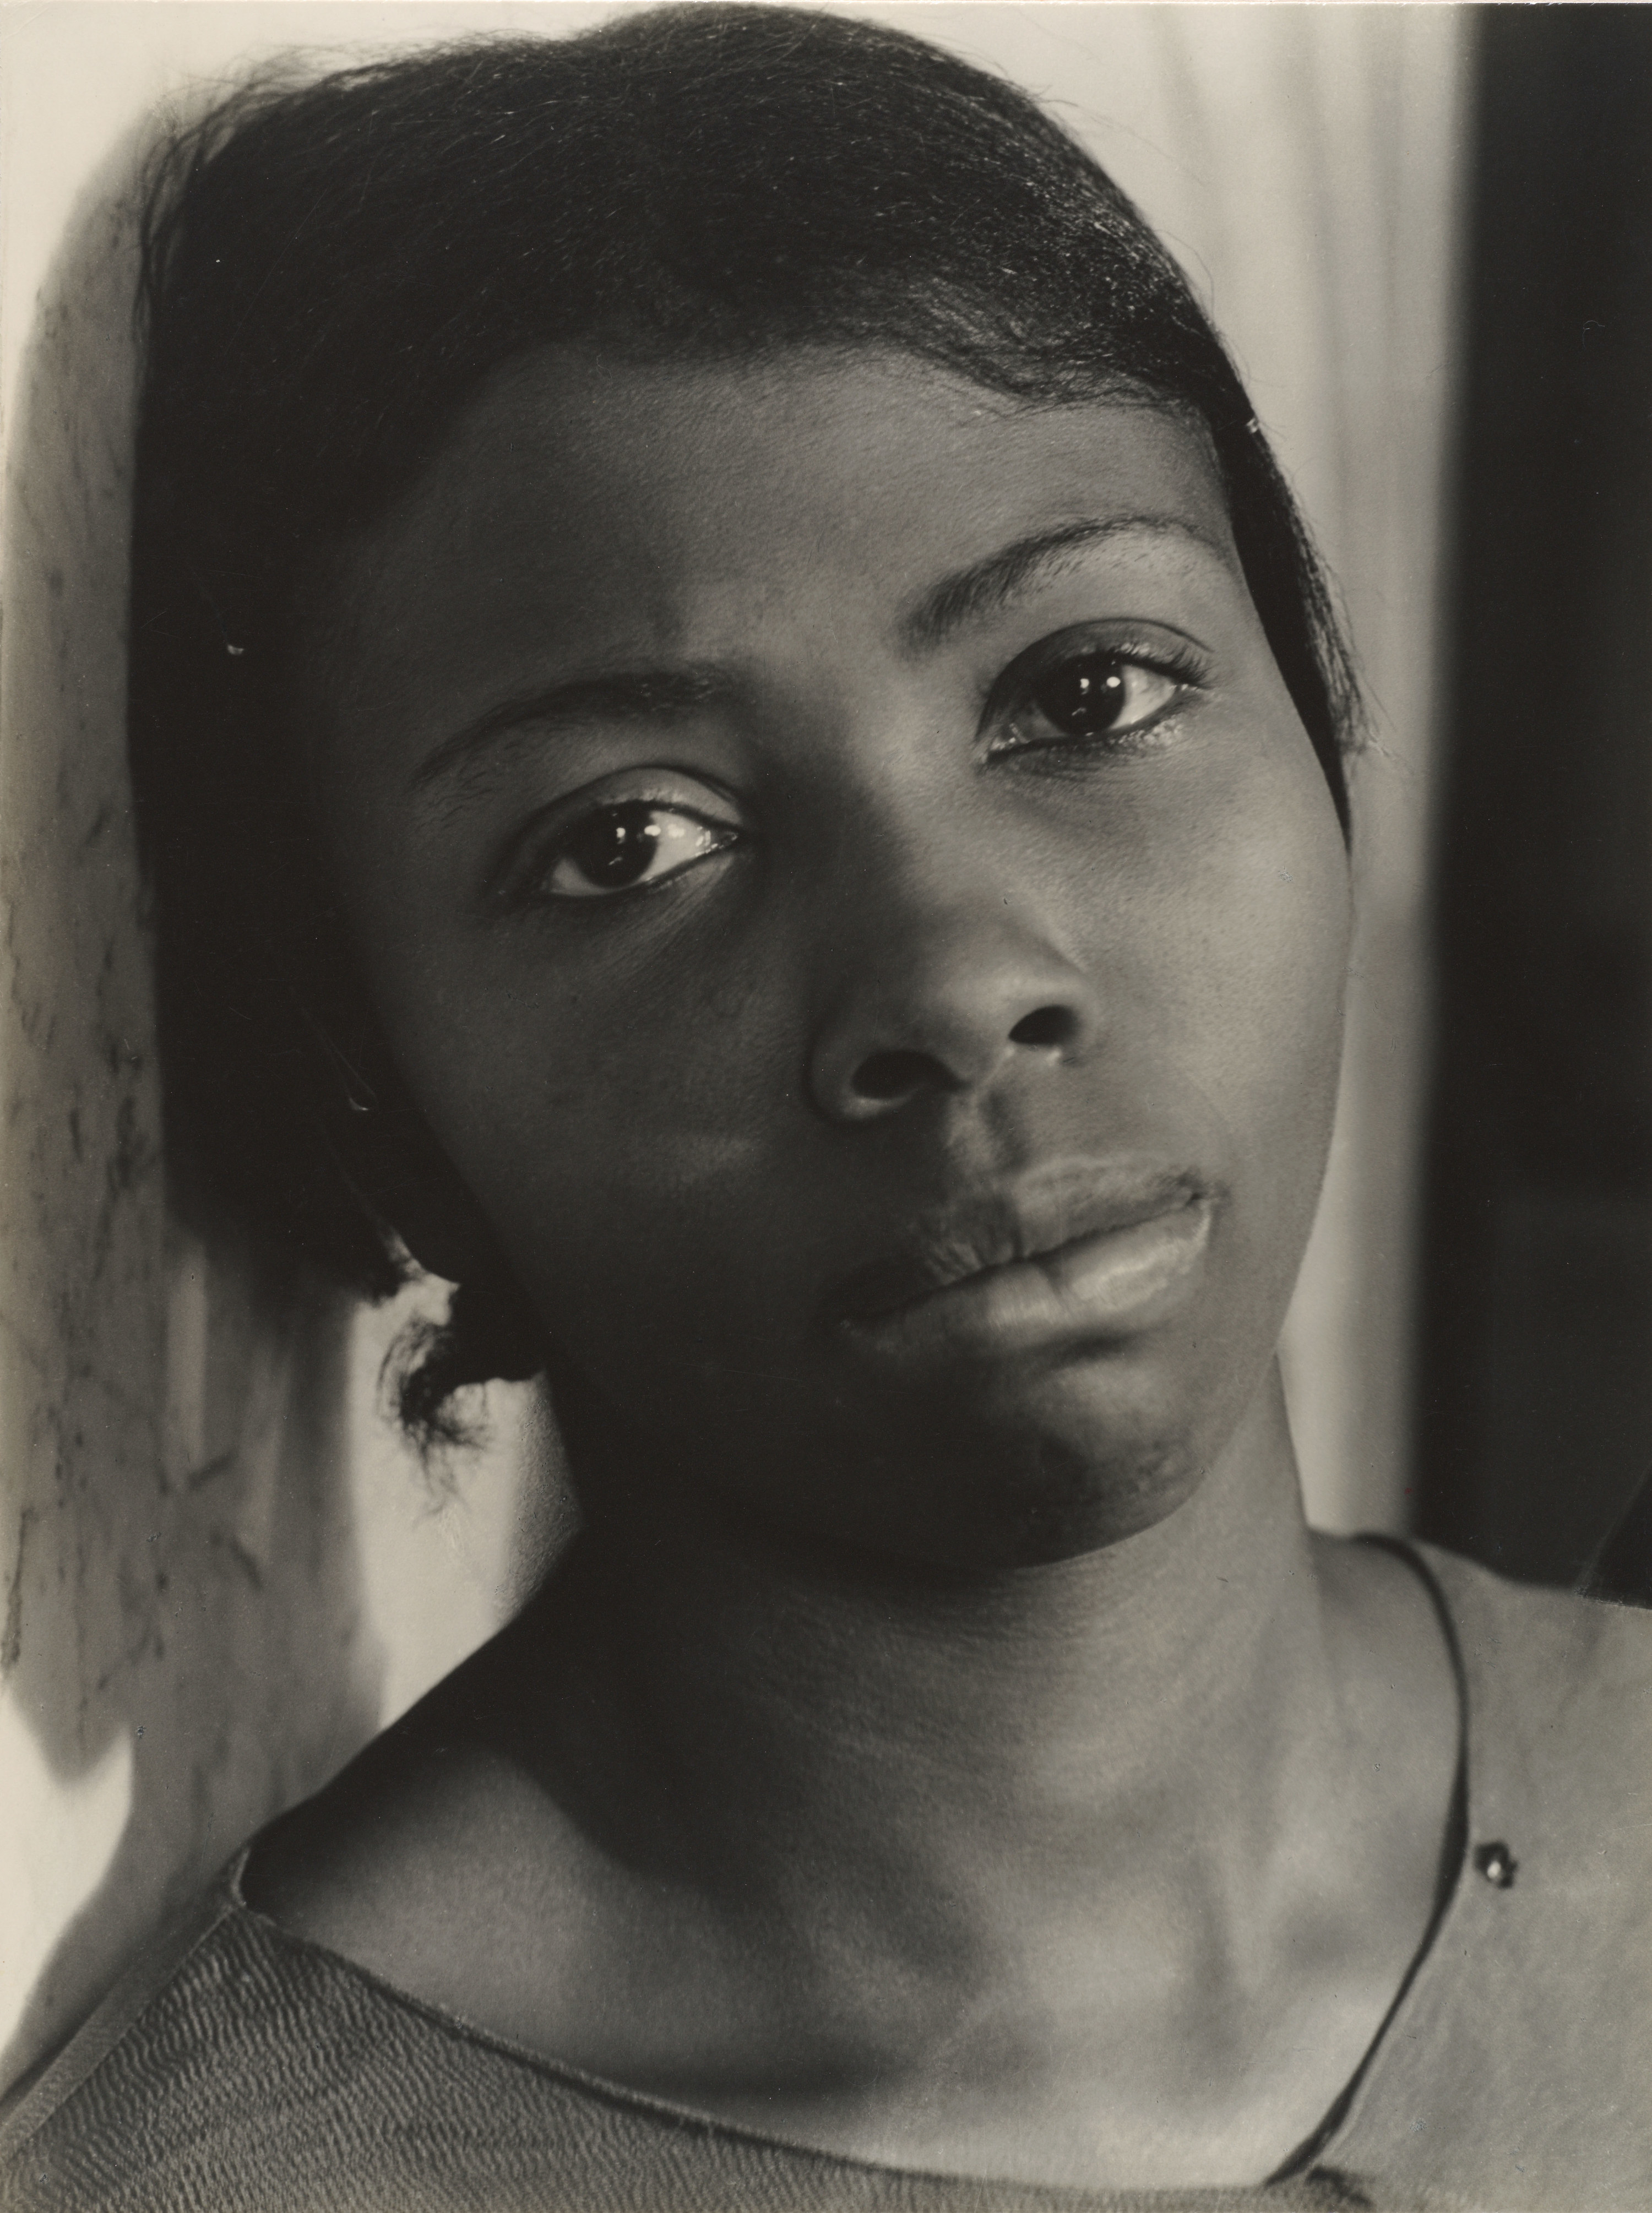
629 695
657 694
986 585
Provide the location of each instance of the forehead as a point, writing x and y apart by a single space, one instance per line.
596 510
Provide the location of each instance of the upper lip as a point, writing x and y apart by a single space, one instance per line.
1032 1215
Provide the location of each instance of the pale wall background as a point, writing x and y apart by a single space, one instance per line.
220 1572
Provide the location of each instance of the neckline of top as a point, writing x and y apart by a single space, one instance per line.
1311 2152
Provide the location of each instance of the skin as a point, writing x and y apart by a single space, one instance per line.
945 1747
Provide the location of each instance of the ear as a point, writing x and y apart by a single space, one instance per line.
407 1180
385 1148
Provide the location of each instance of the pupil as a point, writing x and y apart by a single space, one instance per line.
616 847
1085 699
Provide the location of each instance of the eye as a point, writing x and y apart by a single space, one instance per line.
1094 696
629 846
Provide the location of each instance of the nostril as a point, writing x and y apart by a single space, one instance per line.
886 1075
1046 1026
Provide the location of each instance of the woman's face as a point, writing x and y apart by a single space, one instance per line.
840 872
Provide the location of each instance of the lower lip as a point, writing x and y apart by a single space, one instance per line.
1113 1285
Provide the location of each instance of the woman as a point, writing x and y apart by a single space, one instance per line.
742 753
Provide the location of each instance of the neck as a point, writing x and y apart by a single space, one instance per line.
804 1718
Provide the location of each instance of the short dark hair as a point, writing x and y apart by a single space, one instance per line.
331 267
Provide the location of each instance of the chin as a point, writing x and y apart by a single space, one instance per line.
1048 1498
1022 1475
1015 1465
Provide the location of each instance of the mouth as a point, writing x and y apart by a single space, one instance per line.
1083 1250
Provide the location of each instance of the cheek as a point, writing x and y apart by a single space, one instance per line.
1265 960
595 1108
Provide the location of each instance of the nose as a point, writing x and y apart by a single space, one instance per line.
946 1004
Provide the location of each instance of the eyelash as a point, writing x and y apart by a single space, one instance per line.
521 881
1016 689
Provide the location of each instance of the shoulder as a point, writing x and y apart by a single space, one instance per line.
239 2068
1558 1691
1515 2069
173 2092
1562 1679
1558 1772
441 1861
246 2052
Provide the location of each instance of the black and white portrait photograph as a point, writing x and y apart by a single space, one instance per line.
825 1220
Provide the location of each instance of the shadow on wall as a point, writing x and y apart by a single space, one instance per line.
182 1603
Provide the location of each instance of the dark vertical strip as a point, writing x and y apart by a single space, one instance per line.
1535 1370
